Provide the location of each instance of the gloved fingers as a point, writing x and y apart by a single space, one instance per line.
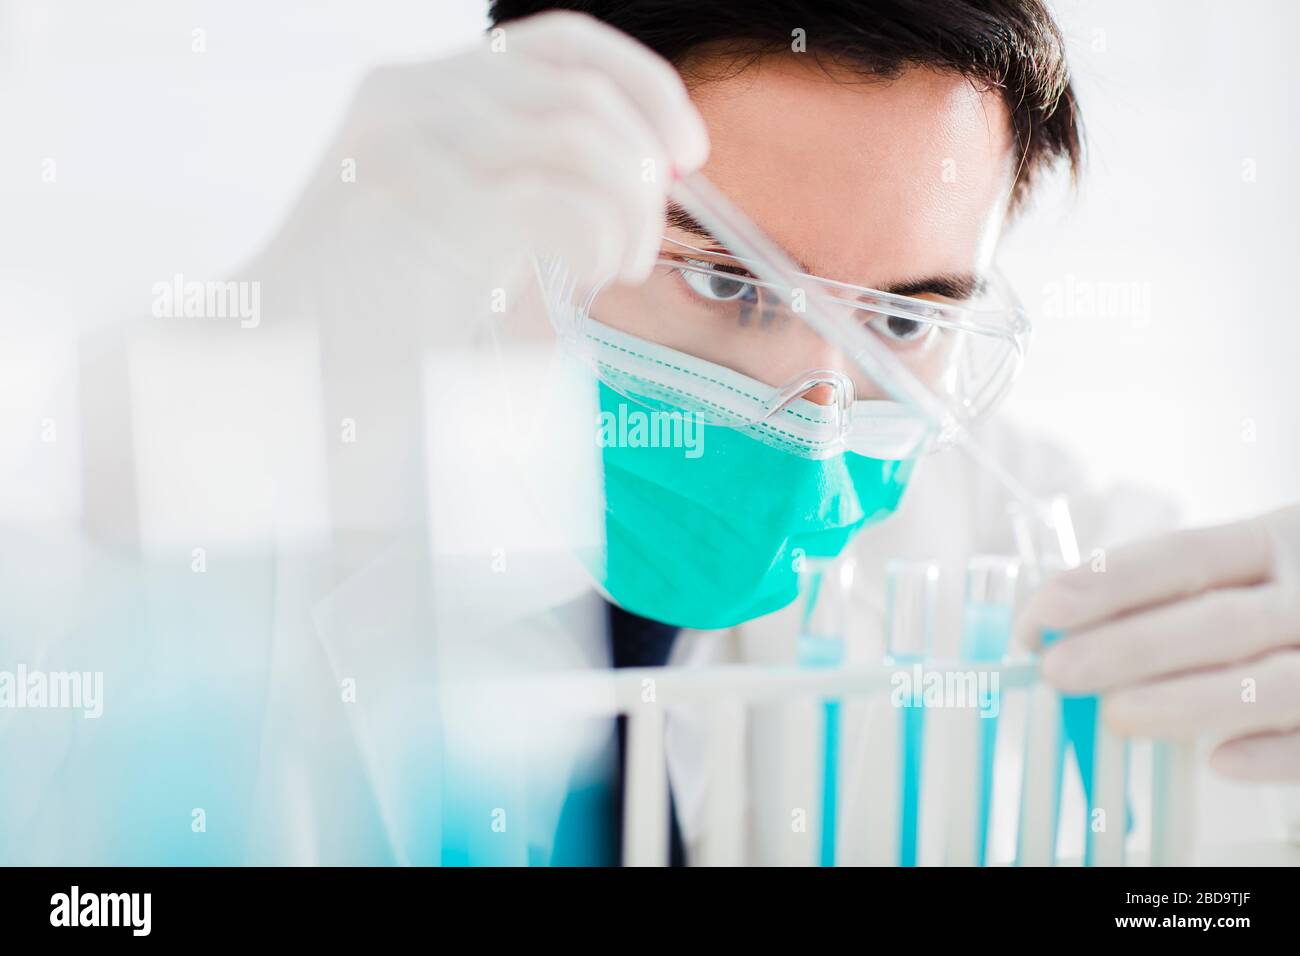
646 79
1147 573
590 129
574 121
1213 628
1261 758
1283 528
573 150
593 140
563 98
569 219
1251 697
547 91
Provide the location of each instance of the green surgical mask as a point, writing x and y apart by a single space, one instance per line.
710 530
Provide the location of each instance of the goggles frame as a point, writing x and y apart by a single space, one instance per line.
1008 323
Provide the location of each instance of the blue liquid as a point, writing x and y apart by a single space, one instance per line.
817 651
830 780
913 731
1079 731
986 633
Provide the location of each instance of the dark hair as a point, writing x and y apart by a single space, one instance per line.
1010 45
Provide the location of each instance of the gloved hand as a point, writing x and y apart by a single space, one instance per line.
1194 633
559 133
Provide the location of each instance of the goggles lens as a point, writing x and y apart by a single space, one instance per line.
704 334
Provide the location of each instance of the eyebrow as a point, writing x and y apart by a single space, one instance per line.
951 285
679 218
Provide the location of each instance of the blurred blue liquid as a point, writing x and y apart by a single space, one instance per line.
986 634
819 651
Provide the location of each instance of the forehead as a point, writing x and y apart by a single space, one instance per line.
863 179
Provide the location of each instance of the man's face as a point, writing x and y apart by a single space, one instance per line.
898 185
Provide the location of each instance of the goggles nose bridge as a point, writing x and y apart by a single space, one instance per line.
826 388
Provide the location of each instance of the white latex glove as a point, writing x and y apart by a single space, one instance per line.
559 133
1194 633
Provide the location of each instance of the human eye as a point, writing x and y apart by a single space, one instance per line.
718 283
899 328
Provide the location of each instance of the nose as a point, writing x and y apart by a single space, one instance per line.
822 394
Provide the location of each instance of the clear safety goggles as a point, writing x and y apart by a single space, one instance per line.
706 336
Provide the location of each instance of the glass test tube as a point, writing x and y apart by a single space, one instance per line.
990 605
911 603
824 588
1048 551
986 634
